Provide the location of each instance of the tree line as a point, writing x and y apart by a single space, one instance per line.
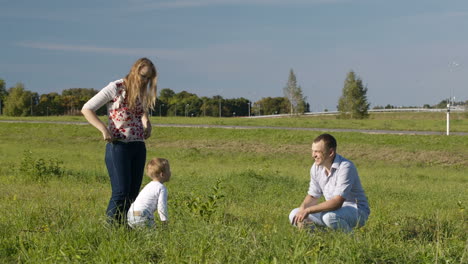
17 101
353 103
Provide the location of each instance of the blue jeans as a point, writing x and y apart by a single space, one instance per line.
346 218
125 164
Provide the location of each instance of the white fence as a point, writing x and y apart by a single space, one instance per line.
452 109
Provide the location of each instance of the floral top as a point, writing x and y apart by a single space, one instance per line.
124 124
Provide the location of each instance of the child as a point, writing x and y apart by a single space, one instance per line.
153 196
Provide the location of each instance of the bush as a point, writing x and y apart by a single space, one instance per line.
205 206
41 170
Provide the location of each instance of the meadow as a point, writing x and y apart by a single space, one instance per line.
230 195
401 121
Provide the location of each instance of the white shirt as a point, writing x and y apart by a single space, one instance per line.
124 123
343 181
153 197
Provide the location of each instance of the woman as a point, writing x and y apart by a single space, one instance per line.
128 101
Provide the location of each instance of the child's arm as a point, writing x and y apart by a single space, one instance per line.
162 206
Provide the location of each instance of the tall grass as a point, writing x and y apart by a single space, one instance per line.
229 198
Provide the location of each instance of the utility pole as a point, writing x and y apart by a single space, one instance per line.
448 118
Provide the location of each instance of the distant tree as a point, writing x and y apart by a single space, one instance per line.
442 104
307 108
184 104
210 106
236 107
81 93
353 102
3 95
163 102
74 99
293 93
50 104
20 102
272 105
165 95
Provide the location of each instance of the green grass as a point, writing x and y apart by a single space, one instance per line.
416 187
418 121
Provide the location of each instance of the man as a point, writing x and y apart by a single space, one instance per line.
335 178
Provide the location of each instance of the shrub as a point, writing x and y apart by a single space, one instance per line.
41 170
207 205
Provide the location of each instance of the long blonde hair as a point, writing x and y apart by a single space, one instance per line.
139 88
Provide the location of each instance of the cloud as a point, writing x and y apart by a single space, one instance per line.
173 4
102 50
221 58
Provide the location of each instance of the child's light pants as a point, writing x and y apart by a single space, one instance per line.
142 219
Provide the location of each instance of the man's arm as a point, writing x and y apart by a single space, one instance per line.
309 201
331 205
310 205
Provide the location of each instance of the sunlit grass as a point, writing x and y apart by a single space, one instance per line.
416 187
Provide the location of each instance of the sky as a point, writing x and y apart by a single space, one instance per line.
407 52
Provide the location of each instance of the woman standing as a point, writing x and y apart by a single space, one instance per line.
128 101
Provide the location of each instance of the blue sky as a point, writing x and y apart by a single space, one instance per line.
406 52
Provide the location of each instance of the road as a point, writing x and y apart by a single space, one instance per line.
367 131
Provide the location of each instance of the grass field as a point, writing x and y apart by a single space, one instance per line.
416 121
230 194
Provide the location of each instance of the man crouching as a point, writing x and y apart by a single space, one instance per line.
336 178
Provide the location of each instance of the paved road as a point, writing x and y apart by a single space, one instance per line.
367 131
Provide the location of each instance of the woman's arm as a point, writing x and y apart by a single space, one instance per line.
146 125
92 118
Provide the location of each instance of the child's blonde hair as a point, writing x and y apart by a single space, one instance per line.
156 166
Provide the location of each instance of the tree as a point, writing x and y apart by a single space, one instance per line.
236 107
272 105
162 102
3 95
183 104
353 102
50 104
293 93
165 95
75 98
442 104
20 102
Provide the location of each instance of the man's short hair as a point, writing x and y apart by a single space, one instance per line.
329 140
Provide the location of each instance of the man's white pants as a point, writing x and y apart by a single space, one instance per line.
346 218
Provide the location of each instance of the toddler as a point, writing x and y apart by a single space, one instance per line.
152 197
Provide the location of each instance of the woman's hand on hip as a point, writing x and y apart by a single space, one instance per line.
148 131
107 136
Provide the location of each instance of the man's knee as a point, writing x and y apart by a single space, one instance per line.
292 215
334 221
